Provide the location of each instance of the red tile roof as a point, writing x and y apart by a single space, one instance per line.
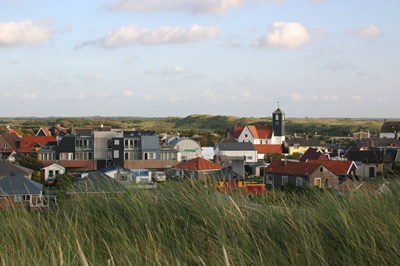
27 143
199 164
268 148
81 165
46 132
235 131
337 167
261 132
292 168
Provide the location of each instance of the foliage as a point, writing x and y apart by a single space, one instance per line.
30 161
324 127
191 224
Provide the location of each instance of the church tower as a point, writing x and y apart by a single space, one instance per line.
278 126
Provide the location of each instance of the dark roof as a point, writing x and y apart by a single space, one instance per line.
370 156
390 127
304 142
7 168
235 146
377 142
97 182
66 144
134 133
229 174
313 154
18 184
278 111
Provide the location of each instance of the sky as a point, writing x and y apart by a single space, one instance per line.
158 58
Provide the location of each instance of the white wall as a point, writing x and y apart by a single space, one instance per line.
242 137
387 135
251 156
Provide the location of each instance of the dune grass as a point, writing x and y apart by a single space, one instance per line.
191 224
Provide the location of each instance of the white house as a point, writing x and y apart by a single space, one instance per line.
261 135
188 149
53 170
236 149
256 134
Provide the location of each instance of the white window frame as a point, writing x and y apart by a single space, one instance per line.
116 154
287 180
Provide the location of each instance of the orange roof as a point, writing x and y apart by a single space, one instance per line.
199 164
268 148
337 167
27 143
46 132
261 132
12 131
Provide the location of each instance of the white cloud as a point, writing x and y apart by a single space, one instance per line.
24 96
357 98
23 33
177 99
128 93
175 70
299 97
212 97
368 31
289 35
131 60
91 77
247 96
164 35
329 97
190 6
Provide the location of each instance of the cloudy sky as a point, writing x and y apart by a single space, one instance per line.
318 58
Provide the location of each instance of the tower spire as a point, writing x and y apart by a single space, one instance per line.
278 104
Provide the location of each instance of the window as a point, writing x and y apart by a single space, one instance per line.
285 180
116 154
116 142
321 169
327 182
126 143
22 198
245 135
18 198
317 182
299 182
126 156
136 143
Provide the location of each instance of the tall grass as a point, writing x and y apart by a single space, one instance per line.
191 224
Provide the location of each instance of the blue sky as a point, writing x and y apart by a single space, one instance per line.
318 58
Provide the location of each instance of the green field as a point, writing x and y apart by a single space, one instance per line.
191 224
195 124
